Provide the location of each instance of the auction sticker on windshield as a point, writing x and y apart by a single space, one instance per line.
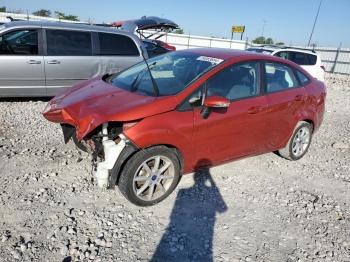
212 60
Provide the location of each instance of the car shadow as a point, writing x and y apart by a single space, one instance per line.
189 235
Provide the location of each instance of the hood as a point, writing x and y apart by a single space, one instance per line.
91 103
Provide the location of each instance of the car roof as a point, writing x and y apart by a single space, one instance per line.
277 48
225 53
63 25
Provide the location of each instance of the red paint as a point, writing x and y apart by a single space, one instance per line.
246 127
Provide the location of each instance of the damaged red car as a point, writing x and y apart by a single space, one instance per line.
148 125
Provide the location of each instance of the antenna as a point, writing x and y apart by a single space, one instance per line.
154 83
313 27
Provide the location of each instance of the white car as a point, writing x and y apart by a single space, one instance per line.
307 59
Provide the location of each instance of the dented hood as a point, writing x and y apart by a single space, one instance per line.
91 103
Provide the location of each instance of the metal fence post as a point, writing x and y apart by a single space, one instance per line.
336 59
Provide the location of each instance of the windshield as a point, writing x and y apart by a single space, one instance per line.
172 72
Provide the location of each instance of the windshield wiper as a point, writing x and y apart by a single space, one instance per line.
136 81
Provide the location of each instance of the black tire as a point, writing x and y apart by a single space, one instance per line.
126 180
287 152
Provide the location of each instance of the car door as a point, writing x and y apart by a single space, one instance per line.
238 130
68 59
285 100
116 52
21 63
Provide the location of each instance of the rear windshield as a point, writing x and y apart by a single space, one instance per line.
172 72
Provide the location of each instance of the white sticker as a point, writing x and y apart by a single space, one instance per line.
209 59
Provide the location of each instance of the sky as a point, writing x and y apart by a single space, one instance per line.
288 21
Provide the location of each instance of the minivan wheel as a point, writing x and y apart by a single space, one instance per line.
150 175
299 142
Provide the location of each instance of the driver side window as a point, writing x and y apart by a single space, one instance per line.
235 82
19 42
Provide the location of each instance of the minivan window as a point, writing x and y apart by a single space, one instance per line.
235 82
68 43
115 44
279 77
19 42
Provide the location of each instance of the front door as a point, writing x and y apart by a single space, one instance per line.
21 63
238 130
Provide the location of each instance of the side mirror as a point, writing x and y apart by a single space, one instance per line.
216 102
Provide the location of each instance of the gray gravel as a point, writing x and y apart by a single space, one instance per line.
262 208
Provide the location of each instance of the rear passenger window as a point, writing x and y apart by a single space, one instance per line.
303 58
68 43
279 77
304 80
235 82
114 44
19 42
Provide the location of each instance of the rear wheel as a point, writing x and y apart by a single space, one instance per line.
150 176
299 142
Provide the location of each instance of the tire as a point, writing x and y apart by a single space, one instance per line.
142 180
298 143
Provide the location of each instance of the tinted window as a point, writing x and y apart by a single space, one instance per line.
279 77
302 58
113 44
19 42
235 82
68 43
302 78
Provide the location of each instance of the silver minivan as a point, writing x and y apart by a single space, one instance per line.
43 58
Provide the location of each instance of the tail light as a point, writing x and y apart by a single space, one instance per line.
323 68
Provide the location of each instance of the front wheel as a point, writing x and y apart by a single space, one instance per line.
150 176
299 142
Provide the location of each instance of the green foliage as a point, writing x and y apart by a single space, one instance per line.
42 12
179 31
3 9
263 41
279 43
63 16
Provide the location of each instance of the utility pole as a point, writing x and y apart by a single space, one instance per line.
313 27
263 28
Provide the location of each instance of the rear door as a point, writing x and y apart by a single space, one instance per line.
21 63
69 59
285 98
116 52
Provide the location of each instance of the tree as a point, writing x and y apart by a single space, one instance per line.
3 9
279 43
263 41
42 12
63 16
179 31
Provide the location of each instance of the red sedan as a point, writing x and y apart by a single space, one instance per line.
183 110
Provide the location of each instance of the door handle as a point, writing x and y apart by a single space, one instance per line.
255 109
53 62
299 98
33 62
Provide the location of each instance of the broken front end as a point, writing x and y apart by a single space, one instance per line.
109 149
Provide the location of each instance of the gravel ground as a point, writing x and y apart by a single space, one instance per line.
262 208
